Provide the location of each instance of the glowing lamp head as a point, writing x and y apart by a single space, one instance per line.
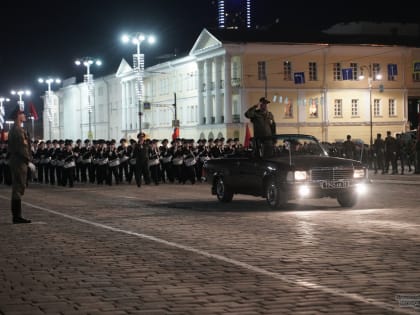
151 39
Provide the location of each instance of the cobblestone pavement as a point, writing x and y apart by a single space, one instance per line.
173 249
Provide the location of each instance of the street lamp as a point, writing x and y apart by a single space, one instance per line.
2 112
88 79
20 93
48 99
371 77
138 64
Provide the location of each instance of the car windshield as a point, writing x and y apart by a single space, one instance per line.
298 145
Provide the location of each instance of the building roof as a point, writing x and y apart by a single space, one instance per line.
359 34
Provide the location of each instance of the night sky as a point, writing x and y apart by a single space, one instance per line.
43 38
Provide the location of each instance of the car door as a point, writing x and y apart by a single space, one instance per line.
250 175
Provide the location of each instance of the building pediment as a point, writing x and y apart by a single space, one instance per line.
206 41
123 69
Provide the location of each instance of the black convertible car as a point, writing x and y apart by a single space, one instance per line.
296 166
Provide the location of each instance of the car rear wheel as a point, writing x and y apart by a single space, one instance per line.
223 193
347 199
276 196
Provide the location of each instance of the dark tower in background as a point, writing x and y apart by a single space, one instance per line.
234 14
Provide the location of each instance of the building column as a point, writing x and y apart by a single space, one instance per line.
218 76
209 102
200 81
227 109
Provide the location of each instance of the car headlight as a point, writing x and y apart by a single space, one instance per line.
297 176
359 173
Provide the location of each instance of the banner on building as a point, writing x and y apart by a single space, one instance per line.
299 77
392 69
416 66
347 73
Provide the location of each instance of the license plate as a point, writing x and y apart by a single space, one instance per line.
334 184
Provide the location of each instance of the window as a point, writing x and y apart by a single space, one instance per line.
391 107
376 71
338 107
235 70
262 75
337 72
313 107
287 71
354 107
377 107
313 71
288 109
354 68
416 77
392 76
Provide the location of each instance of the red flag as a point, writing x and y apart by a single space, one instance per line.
32 109
175 135
247 137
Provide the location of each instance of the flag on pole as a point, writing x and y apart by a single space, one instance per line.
175 135
33 112
247 137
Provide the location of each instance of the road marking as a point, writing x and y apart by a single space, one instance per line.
294 280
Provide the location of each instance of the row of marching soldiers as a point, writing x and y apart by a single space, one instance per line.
144 161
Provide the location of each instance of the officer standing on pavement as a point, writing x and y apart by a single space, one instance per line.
20 154
141 153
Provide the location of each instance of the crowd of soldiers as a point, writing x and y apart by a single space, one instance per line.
149 161
389 155
145 161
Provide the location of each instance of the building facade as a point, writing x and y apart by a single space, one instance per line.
314 89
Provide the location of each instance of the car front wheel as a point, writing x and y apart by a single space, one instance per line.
223 193
276 197
347 199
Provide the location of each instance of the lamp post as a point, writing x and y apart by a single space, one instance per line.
21 93
88 79
138 64
48 100
2 112
371 77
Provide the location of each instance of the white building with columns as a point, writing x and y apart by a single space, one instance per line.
209 90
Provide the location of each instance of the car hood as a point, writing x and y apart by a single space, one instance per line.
308 162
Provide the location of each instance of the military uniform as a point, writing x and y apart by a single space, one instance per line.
154 162
19 148
166 162
141 154
113 164
124 156
69 165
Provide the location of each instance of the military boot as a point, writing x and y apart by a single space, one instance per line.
17 212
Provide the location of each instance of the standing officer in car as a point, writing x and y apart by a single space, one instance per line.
264 125
20 155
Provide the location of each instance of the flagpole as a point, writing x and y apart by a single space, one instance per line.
33 128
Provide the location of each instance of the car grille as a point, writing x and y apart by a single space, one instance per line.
331 173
